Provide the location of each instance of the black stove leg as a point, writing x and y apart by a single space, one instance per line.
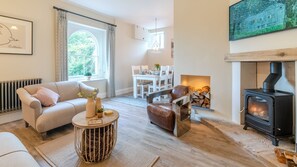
275 141
245 127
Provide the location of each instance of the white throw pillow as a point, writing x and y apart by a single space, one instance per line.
46 96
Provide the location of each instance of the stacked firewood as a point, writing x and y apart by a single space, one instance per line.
201 97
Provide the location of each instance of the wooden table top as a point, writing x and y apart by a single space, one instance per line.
80 120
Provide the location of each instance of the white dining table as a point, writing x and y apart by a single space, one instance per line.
144 77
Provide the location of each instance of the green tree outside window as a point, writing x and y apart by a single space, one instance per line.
81 47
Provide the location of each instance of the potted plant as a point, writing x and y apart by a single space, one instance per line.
100 112
88 75
157 67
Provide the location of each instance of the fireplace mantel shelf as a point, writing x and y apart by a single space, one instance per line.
289 54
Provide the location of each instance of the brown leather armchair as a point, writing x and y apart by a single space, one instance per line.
173 115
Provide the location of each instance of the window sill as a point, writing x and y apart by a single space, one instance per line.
155 51
86 80
93 80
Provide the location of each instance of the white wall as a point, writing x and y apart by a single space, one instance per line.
42 62
201 42
129 51
163 56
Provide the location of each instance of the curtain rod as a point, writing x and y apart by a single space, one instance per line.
84 16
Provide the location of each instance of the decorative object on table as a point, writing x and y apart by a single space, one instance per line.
94 121
88 75
91 105
16 36
99 107
90 108
93 94
108 112
100 112
251 18
98 103
157 66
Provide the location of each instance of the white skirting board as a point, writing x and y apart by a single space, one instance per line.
10 116
124 91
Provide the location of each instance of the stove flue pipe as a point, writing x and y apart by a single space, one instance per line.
273 77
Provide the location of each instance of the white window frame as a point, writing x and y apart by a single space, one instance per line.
160 36
99 36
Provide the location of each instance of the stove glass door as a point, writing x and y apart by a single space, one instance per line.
258 107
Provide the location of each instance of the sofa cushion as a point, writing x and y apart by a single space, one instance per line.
32 89
46 96
13 153
79 104
10 143
68 90
55 116
18 159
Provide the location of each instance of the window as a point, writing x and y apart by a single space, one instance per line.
86 51
156 37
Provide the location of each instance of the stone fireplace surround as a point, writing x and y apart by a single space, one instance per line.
251 68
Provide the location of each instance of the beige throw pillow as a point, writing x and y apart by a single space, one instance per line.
46 96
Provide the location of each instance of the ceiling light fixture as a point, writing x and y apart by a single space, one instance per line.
156 44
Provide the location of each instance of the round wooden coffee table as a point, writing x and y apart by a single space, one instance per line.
95 141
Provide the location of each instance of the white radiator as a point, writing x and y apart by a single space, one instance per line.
9 99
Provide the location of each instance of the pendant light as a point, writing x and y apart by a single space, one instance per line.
156 44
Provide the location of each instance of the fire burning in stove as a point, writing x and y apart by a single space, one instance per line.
258 108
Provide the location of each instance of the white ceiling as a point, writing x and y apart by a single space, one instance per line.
140 12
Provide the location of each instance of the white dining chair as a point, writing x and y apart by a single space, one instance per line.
162 81
170 77
143 87
144 69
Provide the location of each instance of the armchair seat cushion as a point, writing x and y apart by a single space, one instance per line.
162 115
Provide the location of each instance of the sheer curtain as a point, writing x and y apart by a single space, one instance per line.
61 46
110 61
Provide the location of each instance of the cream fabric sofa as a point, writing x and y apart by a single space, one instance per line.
69 104
13 153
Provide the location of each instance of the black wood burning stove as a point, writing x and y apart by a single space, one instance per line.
268 110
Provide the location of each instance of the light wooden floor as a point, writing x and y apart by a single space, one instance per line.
200 147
